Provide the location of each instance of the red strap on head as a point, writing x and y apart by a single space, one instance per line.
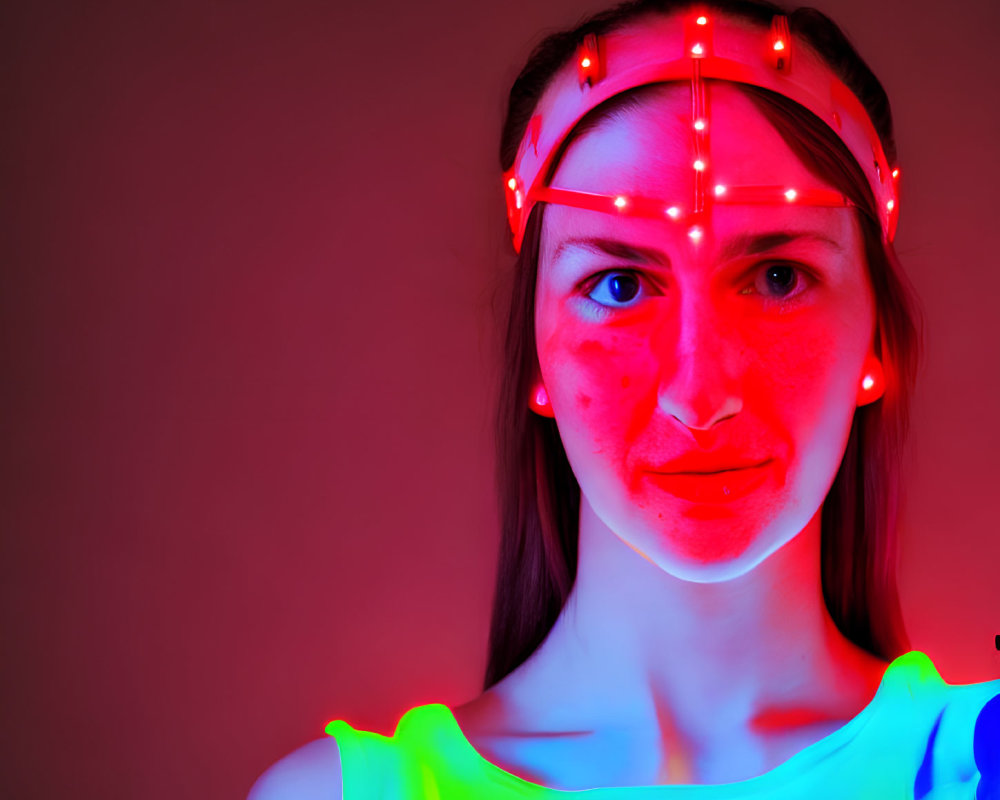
703 46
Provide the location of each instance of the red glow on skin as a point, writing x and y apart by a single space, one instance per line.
768 379
778 720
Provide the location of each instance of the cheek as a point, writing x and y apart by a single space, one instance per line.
602 383
802 389
789 375
804 375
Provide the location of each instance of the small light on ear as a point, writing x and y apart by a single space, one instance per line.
872 382
539 402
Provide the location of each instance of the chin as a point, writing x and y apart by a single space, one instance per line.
715 571
702 552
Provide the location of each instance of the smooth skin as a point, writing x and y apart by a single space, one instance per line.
695 646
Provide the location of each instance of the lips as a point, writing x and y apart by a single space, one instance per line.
712 486
702 463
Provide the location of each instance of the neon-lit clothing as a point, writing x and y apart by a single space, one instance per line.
919 737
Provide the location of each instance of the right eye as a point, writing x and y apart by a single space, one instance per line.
616 289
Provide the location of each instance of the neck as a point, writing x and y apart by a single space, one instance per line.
635 647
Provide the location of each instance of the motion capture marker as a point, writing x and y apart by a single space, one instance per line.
889 205
699 165
620 202
590 66
673 212
791 194
699 124
868 382
698 35
512 184
720 190
781 43
695 234
895 172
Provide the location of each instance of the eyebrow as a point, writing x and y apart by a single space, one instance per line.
612 247
751 244
741 244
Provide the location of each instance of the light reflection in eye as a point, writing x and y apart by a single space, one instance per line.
779 281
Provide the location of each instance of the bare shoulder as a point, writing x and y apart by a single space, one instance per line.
309 773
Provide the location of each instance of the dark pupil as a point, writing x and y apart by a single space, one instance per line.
623 287
781 278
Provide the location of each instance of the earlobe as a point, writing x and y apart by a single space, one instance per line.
872 385
539 401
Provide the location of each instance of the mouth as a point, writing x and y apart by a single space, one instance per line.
715 486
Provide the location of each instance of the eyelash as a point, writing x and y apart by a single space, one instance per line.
803 281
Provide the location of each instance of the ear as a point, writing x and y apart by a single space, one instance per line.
539 401
871 385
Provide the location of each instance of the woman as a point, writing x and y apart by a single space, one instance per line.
710 352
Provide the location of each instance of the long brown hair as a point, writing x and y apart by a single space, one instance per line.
539 498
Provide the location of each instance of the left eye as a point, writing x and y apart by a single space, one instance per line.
616 289
778 280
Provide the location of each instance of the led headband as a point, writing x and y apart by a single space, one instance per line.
704 47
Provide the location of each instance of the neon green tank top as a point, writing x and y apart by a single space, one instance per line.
913 740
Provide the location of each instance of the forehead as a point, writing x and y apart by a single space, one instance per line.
650 151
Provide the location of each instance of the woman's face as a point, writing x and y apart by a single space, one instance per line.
745 346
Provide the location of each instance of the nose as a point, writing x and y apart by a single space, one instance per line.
699 356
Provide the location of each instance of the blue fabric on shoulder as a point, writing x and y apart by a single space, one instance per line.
986 750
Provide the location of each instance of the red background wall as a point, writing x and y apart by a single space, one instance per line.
248 257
